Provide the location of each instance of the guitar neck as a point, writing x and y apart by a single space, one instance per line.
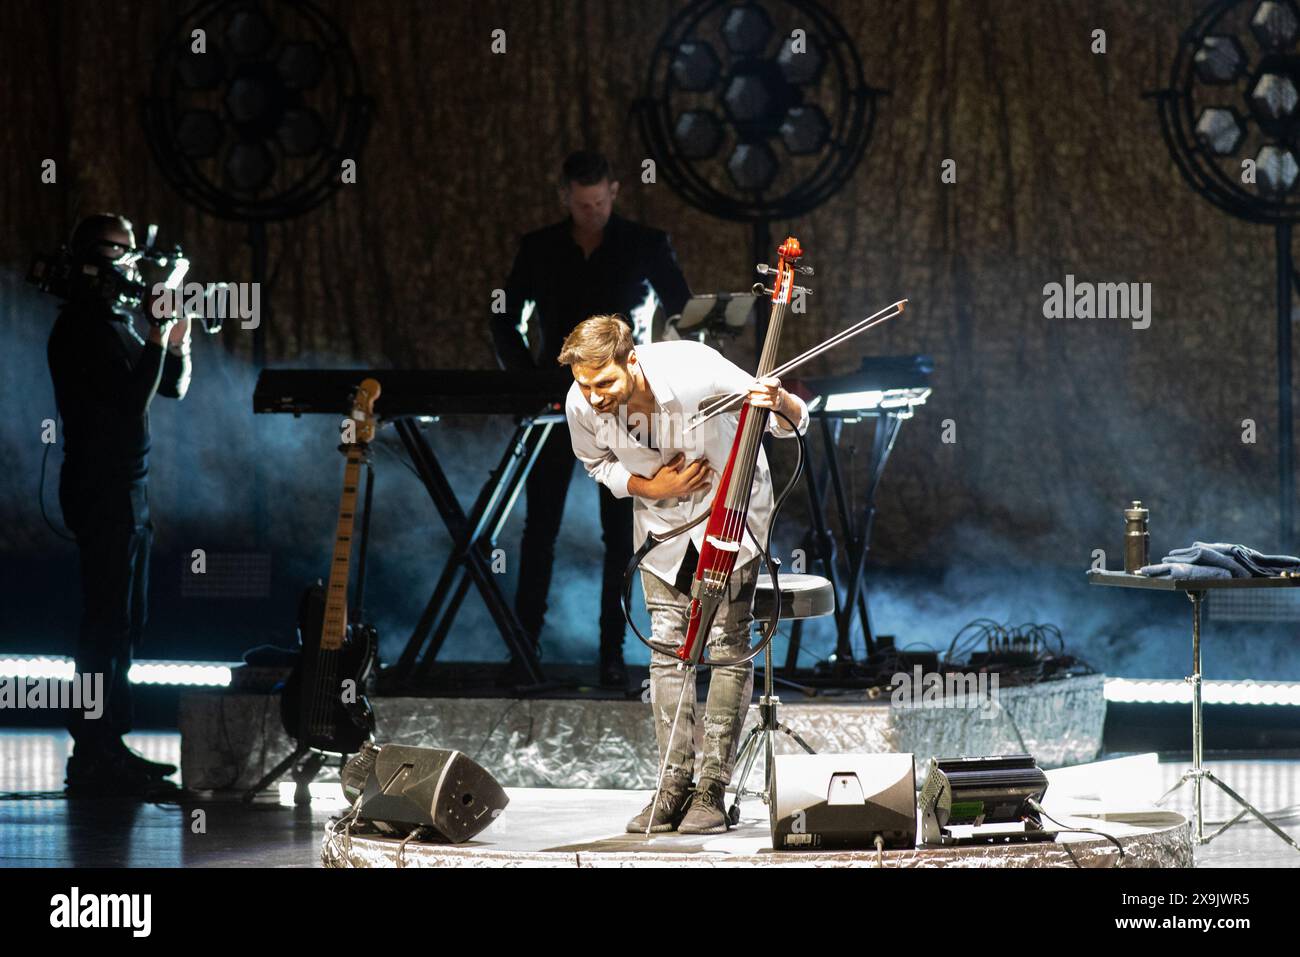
336 595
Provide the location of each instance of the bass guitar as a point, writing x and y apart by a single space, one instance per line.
322 706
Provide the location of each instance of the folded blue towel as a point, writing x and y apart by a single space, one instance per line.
1220 560
1210 556
1260 565
1183 570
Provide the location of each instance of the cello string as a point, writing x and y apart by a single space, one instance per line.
757 428
745 447
734 523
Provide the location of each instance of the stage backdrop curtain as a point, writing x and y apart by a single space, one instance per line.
1054 424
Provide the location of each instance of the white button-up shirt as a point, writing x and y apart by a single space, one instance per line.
682 375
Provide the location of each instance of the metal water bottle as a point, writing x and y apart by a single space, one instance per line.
1137 540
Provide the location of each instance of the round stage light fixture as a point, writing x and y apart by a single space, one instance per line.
284 90
756 111
253 110
1230 117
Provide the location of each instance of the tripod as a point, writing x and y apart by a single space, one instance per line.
762 735
1196 773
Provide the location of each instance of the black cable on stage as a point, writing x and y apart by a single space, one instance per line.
1031 638
984 630
1079 830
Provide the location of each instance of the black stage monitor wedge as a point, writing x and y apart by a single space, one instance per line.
402 788
829 801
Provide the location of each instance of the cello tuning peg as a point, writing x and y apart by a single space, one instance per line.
763 269
806 270
760 290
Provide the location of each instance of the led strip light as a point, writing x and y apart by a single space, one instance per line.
190 674
1178 691
216 674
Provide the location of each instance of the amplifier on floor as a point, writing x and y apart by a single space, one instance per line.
979 792
836 801
403 788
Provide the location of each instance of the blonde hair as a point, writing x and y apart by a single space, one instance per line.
597 342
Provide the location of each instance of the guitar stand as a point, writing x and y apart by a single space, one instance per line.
762 735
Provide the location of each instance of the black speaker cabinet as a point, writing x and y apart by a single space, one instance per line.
839 801
410 787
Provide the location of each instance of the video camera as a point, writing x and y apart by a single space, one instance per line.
123 283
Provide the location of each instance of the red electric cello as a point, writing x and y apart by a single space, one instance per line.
729 511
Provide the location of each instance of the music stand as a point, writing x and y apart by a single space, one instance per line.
1195 589
717 316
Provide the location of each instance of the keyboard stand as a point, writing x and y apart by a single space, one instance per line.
850 589
474 536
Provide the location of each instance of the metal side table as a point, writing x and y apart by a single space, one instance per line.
1195 589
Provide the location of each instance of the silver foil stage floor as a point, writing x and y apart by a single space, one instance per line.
48 830
585 828
230 739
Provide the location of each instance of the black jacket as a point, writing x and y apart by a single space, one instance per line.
551 271
105 376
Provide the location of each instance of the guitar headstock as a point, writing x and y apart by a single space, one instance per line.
363 410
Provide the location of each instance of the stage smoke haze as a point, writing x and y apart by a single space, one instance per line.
218 471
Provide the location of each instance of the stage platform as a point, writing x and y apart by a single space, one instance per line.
585 828
39 827
230 739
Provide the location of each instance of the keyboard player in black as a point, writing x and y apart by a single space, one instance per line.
593 262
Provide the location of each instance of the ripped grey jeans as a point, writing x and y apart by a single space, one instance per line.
730 686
